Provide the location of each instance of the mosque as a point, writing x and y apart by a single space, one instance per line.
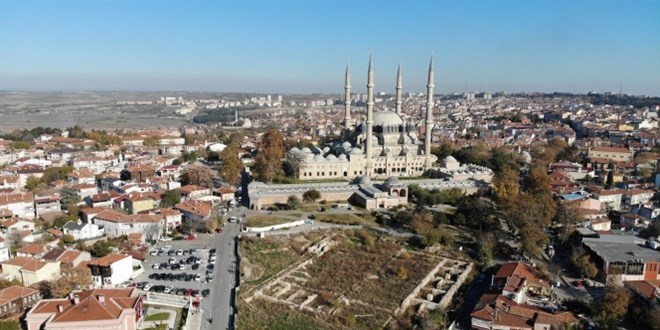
384 145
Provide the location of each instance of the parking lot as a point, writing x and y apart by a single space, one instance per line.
184 268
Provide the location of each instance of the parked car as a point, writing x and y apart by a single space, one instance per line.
147 286
153 253
198 277
179 252
167 247
155 266
195 267
188 292
168 289
172 261
206 292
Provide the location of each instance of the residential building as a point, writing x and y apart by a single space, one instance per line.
598 154
82 231
20 205
637 196
4 250
195 210
31 250
30 270
190 192
111 270
15 300
114 223
497 312
609 199
107 309
46 204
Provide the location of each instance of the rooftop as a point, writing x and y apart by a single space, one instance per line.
621 248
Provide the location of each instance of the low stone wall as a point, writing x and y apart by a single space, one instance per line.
446 299
278 226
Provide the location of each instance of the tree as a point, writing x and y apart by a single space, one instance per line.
612 307
170 198
232 166
485 257
7 283
311 195
69 196
566 215
15 240
68 239
610 180
268 163
32 183
507 186
583 263
197 175
211 224
74 279
101 248
293 202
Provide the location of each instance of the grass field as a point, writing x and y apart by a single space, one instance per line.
267 220
157 317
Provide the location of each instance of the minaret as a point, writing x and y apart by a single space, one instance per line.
429 117
347 100
399 88
370 117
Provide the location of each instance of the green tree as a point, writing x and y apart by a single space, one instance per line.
610 180
170 198
68 239
612 307
232 166
268 163
32 183
584 265
293 202
56 173
20 145
311 195
485 257
10 325
69 196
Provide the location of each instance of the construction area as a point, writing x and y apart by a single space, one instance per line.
357 279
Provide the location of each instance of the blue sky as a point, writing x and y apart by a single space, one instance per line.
303 46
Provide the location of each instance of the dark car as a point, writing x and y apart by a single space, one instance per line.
195 267
141 285
171 253
192 251
178 238
153 276
212 250
180 292
194 292
188 292
189 277
170 276
210 266
164 265
206 292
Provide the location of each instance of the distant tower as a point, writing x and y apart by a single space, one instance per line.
347 99
370 117
399 88
429 117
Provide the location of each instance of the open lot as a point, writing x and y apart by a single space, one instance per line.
335 279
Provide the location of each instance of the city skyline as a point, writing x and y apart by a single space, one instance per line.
291 47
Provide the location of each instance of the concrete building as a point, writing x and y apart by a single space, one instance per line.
15 300
625 257
610 154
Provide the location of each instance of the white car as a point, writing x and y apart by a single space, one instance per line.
156 266
172 261
179 252
198 277
168 289
212 258
147 286
167 248
153 252
182 267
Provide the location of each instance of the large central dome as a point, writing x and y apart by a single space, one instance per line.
387 118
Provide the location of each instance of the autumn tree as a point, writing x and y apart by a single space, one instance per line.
612 307
232 166
75 279
197 175
584 264
211 224
566 215
507 186
268 163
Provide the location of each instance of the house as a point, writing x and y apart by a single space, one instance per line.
172 171
633 221
68 258
139 173
82 231
114 223
30 271
190 192
637 196
20 205
136 202
195 210
132 141
623 257
83 176
107 309
171 217
63 154
646 210
518 282
225 193
31 250
499 312
610 154
99 200
22 225
85 190
96 164
47 204
16 299
111 270
647 290
4 250
609 199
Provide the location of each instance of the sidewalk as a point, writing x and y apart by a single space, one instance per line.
196 320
